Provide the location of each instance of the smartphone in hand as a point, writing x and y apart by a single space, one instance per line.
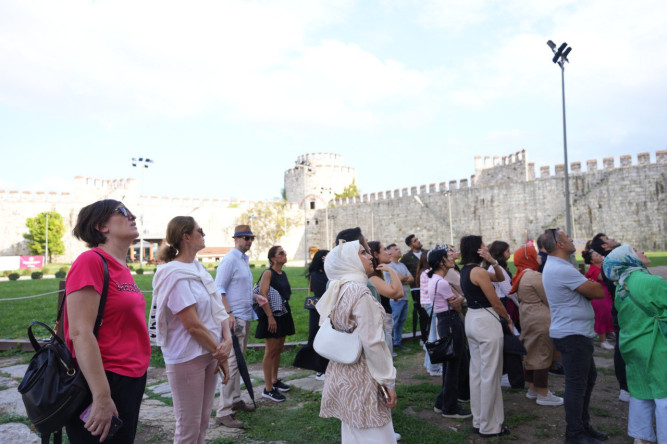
116 422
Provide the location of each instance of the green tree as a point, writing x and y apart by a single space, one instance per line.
349 191
269 221
36 235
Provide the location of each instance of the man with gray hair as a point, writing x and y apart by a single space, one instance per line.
572 318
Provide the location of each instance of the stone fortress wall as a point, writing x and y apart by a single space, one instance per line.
217 217
506 200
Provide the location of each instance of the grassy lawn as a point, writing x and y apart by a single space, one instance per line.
18 314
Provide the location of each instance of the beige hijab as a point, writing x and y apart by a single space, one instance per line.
341 265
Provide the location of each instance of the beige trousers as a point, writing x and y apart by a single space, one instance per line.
376 435
231 392
485 340
193 387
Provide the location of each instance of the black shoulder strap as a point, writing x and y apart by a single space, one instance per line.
103 298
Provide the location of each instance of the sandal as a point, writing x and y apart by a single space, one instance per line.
504 430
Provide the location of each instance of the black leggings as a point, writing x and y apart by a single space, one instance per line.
126 393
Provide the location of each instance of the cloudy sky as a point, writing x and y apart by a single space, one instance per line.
224 95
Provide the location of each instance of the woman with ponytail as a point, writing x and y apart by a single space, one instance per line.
189 323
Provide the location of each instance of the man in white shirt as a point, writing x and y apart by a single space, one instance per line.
572 318
399 307
234 280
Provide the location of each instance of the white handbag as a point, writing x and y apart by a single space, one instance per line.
337 346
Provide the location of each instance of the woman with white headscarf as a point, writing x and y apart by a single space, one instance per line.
353 392
641 301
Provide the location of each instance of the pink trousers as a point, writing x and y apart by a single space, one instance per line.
193 386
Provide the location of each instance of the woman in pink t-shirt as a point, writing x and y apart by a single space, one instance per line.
446 306
115 362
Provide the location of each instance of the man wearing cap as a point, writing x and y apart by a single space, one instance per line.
234 280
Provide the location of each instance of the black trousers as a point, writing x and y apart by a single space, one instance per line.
126 393
307 357
455 372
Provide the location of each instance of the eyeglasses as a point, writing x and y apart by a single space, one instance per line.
201 231
124 211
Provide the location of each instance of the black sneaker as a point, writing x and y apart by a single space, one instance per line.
273 395
593 433
459 413
280 386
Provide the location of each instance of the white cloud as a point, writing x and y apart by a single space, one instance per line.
251 59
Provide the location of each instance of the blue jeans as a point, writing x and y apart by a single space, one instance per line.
399 312
640 420
432 337
580 375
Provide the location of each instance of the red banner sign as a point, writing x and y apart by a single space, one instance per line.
32 262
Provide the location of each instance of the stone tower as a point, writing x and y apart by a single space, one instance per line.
316 178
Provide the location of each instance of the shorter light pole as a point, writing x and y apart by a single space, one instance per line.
46 248
139 162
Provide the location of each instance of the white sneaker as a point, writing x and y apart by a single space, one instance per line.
531 394
505 381
436 373
624 396
606 345
320 376
397 436
550 399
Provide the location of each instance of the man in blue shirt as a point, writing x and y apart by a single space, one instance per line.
399 307
234 280
572 320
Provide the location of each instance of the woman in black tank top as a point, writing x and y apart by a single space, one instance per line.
273 329
485 336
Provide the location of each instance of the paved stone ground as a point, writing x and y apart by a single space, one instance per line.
156 414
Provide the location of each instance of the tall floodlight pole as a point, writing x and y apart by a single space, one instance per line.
139 163
560 57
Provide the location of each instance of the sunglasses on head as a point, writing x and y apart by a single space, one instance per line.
553 233
124 211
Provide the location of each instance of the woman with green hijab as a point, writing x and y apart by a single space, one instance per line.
641 301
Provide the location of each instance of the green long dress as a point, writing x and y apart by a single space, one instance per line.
643 345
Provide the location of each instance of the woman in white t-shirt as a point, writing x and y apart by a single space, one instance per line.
191 327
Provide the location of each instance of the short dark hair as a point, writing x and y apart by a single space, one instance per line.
597 242
391 245
350 235
317 264
408 240
469 246
550 239
90 218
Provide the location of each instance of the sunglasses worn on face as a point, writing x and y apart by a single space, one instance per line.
248 238
281 253
124 211
201 231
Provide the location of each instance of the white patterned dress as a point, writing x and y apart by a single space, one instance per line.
352 391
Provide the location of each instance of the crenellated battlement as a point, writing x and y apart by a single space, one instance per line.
516 159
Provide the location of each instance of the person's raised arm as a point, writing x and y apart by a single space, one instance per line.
498 275
591 290
393 291
82 306
481 278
